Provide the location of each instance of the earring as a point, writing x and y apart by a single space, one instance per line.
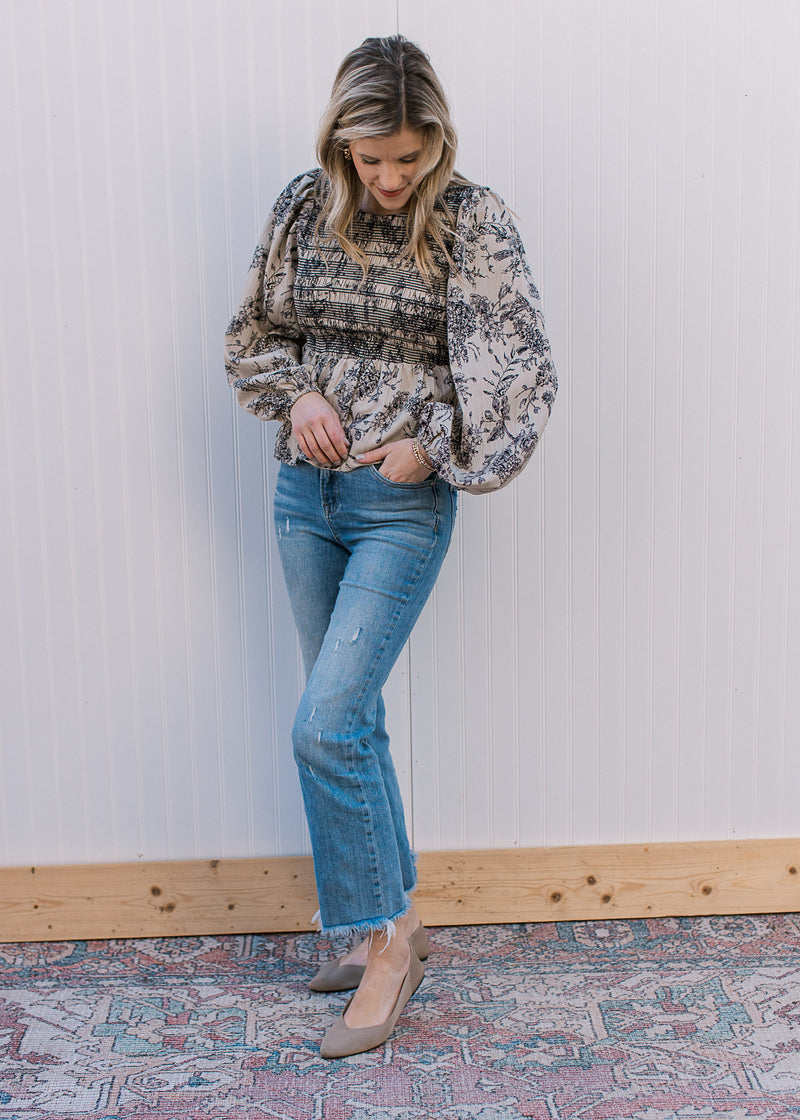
347 154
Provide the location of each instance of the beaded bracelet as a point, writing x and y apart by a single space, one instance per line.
419 456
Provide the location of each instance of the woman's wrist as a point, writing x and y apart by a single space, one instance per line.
421 455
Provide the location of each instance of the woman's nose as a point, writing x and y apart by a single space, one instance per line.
391 178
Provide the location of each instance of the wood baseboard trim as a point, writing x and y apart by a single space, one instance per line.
192 897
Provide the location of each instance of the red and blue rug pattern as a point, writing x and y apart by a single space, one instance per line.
617 1020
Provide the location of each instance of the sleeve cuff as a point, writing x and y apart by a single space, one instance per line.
433 433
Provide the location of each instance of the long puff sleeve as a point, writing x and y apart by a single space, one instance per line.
263 342
503 376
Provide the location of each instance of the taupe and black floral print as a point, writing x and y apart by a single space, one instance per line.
462 362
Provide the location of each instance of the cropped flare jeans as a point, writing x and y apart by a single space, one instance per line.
360 555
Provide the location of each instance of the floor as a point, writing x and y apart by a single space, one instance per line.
616 1020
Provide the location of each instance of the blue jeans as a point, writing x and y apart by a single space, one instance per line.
360 555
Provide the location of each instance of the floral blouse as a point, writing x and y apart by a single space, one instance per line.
462 362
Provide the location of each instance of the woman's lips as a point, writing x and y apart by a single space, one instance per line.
391 194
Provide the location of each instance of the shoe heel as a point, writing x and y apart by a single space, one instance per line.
419 942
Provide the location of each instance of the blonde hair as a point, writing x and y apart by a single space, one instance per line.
381 87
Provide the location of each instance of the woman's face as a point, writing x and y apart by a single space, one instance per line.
386 166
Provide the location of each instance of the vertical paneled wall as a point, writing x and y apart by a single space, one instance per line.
149 658
611 652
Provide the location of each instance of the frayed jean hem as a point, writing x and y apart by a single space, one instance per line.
361 929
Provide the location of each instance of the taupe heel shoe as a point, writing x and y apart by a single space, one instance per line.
341 1041
337 977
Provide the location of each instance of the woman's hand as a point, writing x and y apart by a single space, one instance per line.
400 464
318 430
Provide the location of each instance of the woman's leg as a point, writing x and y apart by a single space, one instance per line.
315 561
396 537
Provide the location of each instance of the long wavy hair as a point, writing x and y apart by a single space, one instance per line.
381 87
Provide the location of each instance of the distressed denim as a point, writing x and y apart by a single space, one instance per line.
360 555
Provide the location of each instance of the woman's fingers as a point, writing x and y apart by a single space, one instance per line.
322 446
318 430
376 456
331 438
339 439
320 436
399 462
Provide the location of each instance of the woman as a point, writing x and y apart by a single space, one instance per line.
391 325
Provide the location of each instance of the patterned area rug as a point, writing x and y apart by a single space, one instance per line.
621 1020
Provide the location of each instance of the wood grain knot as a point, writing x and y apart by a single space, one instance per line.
792 870
590 879
606 898
707 889
155 891
555 897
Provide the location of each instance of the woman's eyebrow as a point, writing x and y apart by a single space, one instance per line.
406 155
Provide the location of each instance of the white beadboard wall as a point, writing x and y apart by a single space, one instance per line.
613 651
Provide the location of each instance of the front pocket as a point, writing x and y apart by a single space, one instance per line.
402 485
